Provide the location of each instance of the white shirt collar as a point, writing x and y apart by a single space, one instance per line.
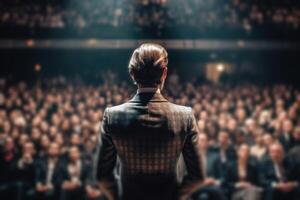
148 89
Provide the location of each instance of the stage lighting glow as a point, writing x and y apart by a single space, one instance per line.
220 67
37 67
30 43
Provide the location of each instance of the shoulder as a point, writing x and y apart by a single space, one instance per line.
181 109
117 113
115 109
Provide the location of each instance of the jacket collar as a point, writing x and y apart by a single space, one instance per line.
148 95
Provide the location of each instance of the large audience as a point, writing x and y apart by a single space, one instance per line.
49 132
158 16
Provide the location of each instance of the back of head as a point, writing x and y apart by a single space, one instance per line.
147 64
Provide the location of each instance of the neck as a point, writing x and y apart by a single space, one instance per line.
148 89
53 159
74 161
202 149
242 161
153 86
160 86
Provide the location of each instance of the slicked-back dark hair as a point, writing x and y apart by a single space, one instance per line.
147 64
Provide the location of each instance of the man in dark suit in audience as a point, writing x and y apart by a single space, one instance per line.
26 171
49 174
286 137
278 176
76 174
214 178
148 134
242 179
8 161
225 149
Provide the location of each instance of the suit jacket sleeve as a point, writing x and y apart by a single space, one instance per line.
194 176
38 173
106 159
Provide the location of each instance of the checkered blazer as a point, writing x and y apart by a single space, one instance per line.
147 134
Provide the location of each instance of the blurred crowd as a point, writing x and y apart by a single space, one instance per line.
155 15
249 137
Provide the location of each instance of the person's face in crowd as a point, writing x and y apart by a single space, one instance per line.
80 107
96 116
267 139
222 122
43 113
9 145
202 141
296 134
223 138
29 148
240 104
240 114
292 113
259 140
75 120
75 139
282 115
203 115
250 125
231 125
243 152
90 145
225 106
287 126
101 101
59 140
197 108
117 99
74 154
2 114
52 131
276 153
279 103
35 134
7 127
85 133
45 142
54 150
36 121
65 125
44 127
55 120
94 141
264 117
201 125
15 134
23 139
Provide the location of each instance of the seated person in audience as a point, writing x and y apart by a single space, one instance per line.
259 149
8 160
44 146
243 176
224 148
278 176
213 179
296 137
49 174
286 139
26 170
268 140
76 173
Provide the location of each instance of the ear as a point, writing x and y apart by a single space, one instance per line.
164 74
